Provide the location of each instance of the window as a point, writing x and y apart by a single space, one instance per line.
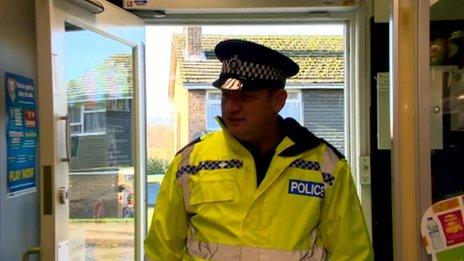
88 118
292 106
118 105
75 119
324 114
213 108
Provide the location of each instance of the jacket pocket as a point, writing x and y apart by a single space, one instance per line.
210 191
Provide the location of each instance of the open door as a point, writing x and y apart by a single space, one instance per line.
91 130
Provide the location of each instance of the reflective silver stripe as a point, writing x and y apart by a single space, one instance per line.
183 179
211 251
329 162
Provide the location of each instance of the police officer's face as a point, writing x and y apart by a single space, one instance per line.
248 115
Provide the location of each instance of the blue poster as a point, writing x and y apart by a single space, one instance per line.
21 133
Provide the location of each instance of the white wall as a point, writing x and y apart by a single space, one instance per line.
19 216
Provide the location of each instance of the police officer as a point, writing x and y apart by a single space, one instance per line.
262 188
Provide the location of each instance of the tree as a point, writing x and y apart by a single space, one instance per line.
156 166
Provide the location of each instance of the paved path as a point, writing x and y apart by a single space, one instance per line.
102 241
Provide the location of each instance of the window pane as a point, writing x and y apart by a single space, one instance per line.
101 172
76 129
74 114
291 109
94 122
213 110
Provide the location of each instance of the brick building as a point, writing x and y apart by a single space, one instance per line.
315 94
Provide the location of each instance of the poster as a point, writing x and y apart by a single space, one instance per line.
21 134
443 229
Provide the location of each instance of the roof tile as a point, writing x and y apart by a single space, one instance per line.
320 57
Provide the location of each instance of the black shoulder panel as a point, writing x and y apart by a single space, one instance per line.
193 142
303 138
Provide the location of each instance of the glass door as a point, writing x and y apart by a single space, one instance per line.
427 129
446 78
101 191
92 135
443 223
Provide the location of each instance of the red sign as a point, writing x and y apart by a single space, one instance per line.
453 227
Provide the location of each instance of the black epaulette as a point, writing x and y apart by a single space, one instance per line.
304 139
337 152
193 142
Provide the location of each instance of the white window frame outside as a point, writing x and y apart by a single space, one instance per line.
82 122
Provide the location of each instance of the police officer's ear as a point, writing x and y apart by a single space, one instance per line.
278 99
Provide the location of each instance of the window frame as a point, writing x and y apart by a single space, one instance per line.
298 100
357 70
210 101
83 112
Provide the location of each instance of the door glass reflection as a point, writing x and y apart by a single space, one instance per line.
442 225
447 98
99 79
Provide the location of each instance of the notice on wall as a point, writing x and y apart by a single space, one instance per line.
21 134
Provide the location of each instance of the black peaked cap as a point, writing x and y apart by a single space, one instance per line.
248 65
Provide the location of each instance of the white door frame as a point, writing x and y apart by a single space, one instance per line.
357 83
113 23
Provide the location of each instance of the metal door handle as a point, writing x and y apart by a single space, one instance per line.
68 137
63 195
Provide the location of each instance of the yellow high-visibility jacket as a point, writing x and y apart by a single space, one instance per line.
306 208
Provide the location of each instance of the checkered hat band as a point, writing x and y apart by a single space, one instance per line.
251 70
210 165
306 164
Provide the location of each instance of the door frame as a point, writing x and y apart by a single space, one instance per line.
114 23
357 81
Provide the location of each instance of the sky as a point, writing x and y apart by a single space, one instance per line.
97 48
158 55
